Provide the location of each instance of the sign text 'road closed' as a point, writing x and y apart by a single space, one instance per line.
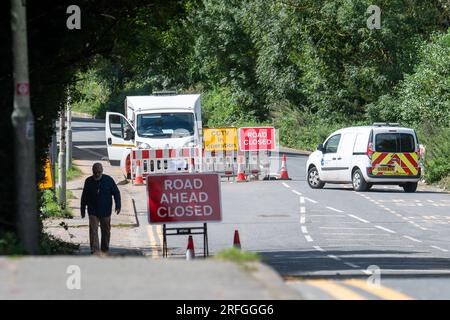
257 138
183 198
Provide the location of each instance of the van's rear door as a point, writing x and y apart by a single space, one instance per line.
395 154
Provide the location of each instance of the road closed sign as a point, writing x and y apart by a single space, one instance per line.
177 198
257 138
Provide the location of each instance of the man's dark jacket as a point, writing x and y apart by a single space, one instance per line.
97 196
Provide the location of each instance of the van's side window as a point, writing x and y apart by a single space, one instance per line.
332 144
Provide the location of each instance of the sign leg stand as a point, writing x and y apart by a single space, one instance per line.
164 242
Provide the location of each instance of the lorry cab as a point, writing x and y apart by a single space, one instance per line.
154 122
379 154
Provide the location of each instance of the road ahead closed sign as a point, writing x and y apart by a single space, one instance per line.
257 138
175 198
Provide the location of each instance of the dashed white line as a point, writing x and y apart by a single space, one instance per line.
357 218
308 238
332 256
412 239
351 265
296 192
385 229
302 219
302 200
302 209
439 248
310 200
319 248
286 185
304 229
334 209
340 228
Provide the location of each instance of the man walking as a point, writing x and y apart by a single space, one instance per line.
97 196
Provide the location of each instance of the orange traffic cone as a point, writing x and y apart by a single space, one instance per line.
236 241
283 171
138 180
190 253
240 174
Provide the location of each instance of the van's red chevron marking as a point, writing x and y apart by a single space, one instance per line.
412 161
378 158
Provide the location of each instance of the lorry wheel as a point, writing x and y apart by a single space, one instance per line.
314 180
358 181
410 187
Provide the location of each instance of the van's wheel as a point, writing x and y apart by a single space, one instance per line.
358 181
410 187
313 179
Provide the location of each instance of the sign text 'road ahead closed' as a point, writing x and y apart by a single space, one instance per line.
183 198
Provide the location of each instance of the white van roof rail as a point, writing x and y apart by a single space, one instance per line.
386 124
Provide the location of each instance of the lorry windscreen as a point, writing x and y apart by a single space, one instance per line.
165 125
394 142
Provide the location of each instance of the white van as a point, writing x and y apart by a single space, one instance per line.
161 121
379 154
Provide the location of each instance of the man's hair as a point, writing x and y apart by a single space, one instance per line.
97 167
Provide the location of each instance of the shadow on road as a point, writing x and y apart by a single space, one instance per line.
318 264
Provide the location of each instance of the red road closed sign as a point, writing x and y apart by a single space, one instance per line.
257 138
175 198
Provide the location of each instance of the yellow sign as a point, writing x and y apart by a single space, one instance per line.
220 139
48 181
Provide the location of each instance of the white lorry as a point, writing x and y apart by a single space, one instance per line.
153 122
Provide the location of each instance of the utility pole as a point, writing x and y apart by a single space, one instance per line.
23 124
62 160
69 134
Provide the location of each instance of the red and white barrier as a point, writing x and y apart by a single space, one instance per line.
154 161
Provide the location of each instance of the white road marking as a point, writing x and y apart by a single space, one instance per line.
286 185
319 248
340 228
351 265
302 219
334 209
357 218
351 234
308 238
332 256
304 229
296 192
328 215
302 200
310 200
439 248
385 229
302 209
412 239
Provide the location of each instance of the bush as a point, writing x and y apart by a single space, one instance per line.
48 245
437 157
50 207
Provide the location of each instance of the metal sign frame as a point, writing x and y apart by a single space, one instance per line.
186 231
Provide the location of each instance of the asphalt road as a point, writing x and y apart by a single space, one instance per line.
325 238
